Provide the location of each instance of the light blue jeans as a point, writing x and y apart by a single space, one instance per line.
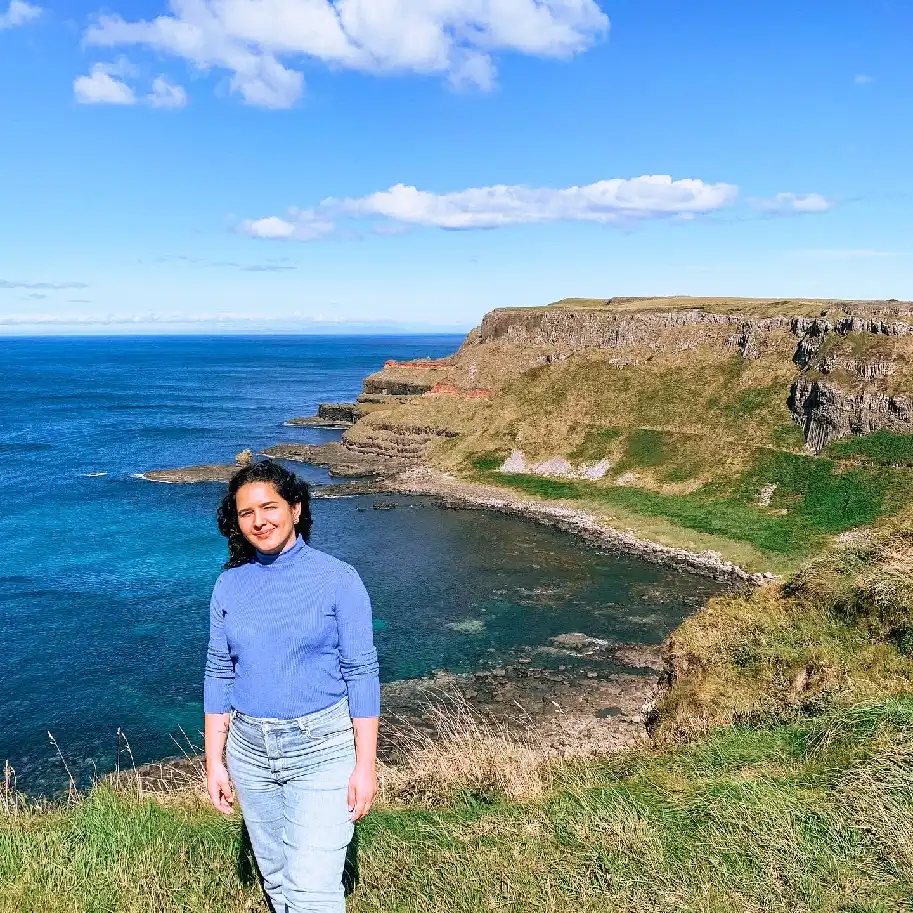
292 778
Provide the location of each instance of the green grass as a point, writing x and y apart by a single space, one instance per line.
818 498
788 436
812 816
882 447
838 632
488 462
746 403
644 448
596 443
697 512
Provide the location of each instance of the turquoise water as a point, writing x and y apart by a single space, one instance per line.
104 591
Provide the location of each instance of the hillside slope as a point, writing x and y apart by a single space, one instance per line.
757 428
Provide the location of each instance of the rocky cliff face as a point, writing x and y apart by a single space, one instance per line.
852 363
850 368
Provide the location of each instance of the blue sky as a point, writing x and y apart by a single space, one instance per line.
287 165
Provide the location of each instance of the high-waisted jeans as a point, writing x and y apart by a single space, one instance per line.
291 778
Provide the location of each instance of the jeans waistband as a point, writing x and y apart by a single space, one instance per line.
299 722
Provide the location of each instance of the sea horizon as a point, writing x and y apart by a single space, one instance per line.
218 335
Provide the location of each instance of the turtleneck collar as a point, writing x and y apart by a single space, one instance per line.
281 558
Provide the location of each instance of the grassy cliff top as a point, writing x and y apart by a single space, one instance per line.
755 307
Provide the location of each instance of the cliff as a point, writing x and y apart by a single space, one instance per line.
759 428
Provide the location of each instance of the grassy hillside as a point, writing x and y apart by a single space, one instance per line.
838 633
811 815
701 447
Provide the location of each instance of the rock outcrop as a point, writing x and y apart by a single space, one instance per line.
189 475
845 387
828 413
330 415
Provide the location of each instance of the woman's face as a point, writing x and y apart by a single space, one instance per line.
266 519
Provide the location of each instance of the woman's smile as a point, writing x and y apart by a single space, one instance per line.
265 518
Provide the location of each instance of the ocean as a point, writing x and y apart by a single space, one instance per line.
104 592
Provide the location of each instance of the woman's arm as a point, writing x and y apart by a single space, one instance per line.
217 682
363 782
359 668
217 783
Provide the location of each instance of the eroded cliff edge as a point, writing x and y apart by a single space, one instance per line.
757 429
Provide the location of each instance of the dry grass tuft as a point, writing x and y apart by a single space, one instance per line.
460 752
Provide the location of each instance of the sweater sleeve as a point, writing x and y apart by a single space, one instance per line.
357 654
220 669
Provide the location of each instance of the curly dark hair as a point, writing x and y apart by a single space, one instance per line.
288 486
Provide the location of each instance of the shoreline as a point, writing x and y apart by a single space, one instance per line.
460 494
363 476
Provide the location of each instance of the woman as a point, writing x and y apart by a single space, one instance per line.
292 686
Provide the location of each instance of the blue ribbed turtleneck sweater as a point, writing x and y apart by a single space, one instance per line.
291 634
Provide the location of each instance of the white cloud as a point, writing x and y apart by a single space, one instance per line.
611 201
863 79
301 225
166 94
19 13
452 38
616 200
106 85
102 87
788 203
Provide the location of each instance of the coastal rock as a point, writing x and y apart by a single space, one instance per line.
563 713
244 458
557 467
346 489
595 471
340 412
383 384
331 415
843 389
189 475
765 496
340 460
516 462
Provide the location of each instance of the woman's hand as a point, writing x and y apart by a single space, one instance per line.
362 790
219 787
